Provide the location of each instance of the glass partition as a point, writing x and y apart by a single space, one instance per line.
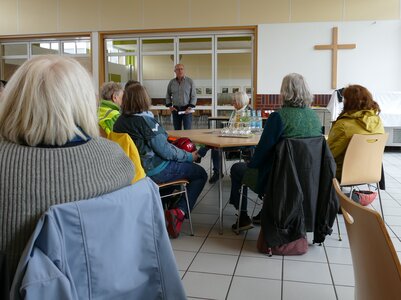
219 64
234 74
157 71
157 45
122 60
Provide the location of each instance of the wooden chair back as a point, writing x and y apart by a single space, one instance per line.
363 159
377 269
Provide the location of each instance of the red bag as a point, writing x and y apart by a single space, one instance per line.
297 247
184 144
363 197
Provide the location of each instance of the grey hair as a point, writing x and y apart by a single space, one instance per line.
109 89
49 100
241 98
295 92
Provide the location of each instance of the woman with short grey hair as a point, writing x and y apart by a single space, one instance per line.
295 92
295 119
50 150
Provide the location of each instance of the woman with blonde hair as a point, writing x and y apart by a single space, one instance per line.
50 150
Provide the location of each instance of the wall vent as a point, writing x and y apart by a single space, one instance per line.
397 135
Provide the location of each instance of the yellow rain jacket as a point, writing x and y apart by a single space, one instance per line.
348 124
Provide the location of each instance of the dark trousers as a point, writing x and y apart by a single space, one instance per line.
179 120
237 174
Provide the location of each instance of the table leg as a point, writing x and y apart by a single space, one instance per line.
220 192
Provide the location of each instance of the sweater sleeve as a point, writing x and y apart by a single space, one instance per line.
271 135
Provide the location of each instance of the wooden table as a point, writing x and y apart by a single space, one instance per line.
211 138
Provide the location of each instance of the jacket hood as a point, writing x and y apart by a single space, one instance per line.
368 119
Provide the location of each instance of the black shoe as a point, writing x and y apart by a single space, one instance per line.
245 223
215 177
256 219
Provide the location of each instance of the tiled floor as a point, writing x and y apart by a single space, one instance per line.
228 266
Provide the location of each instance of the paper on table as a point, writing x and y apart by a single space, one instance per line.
184 111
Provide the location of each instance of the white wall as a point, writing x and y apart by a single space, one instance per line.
286 48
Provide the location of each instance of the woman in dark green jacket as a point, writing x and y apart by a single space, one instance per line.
294 120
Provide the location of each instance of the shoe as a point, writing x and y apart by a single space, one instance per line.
215 177
245 223
174 218
256 219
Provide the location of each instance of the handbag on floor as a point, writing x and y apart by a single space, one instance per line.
363 197
297 247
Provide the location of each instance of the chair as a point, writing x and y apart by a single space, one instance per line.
249 180
363 163
182 183
114 246
225 158
299 192
128 145
377 270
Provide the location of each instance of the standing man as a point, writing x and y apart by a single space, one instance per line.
181 98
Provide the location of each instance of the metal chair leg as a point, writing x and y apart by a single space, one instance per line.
210 164
338 228
239 208
380 201
189 210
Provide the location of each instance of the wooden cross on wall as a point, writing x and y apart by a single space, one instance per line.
334 47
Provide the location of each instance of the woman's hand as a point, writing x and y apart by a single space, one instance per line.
196 157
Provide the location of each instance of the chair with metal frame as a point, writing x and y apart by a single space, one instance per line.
363 163
224 156
128 145
182 183
377 269
249 181
299 189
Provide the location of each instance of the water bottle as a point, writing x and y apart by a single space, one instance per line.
259 120
253 120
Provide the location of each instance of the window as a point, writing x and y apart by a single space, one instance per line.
14 54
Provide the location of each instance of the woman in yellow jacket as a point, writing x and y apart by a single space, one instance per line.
359 116
109 108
